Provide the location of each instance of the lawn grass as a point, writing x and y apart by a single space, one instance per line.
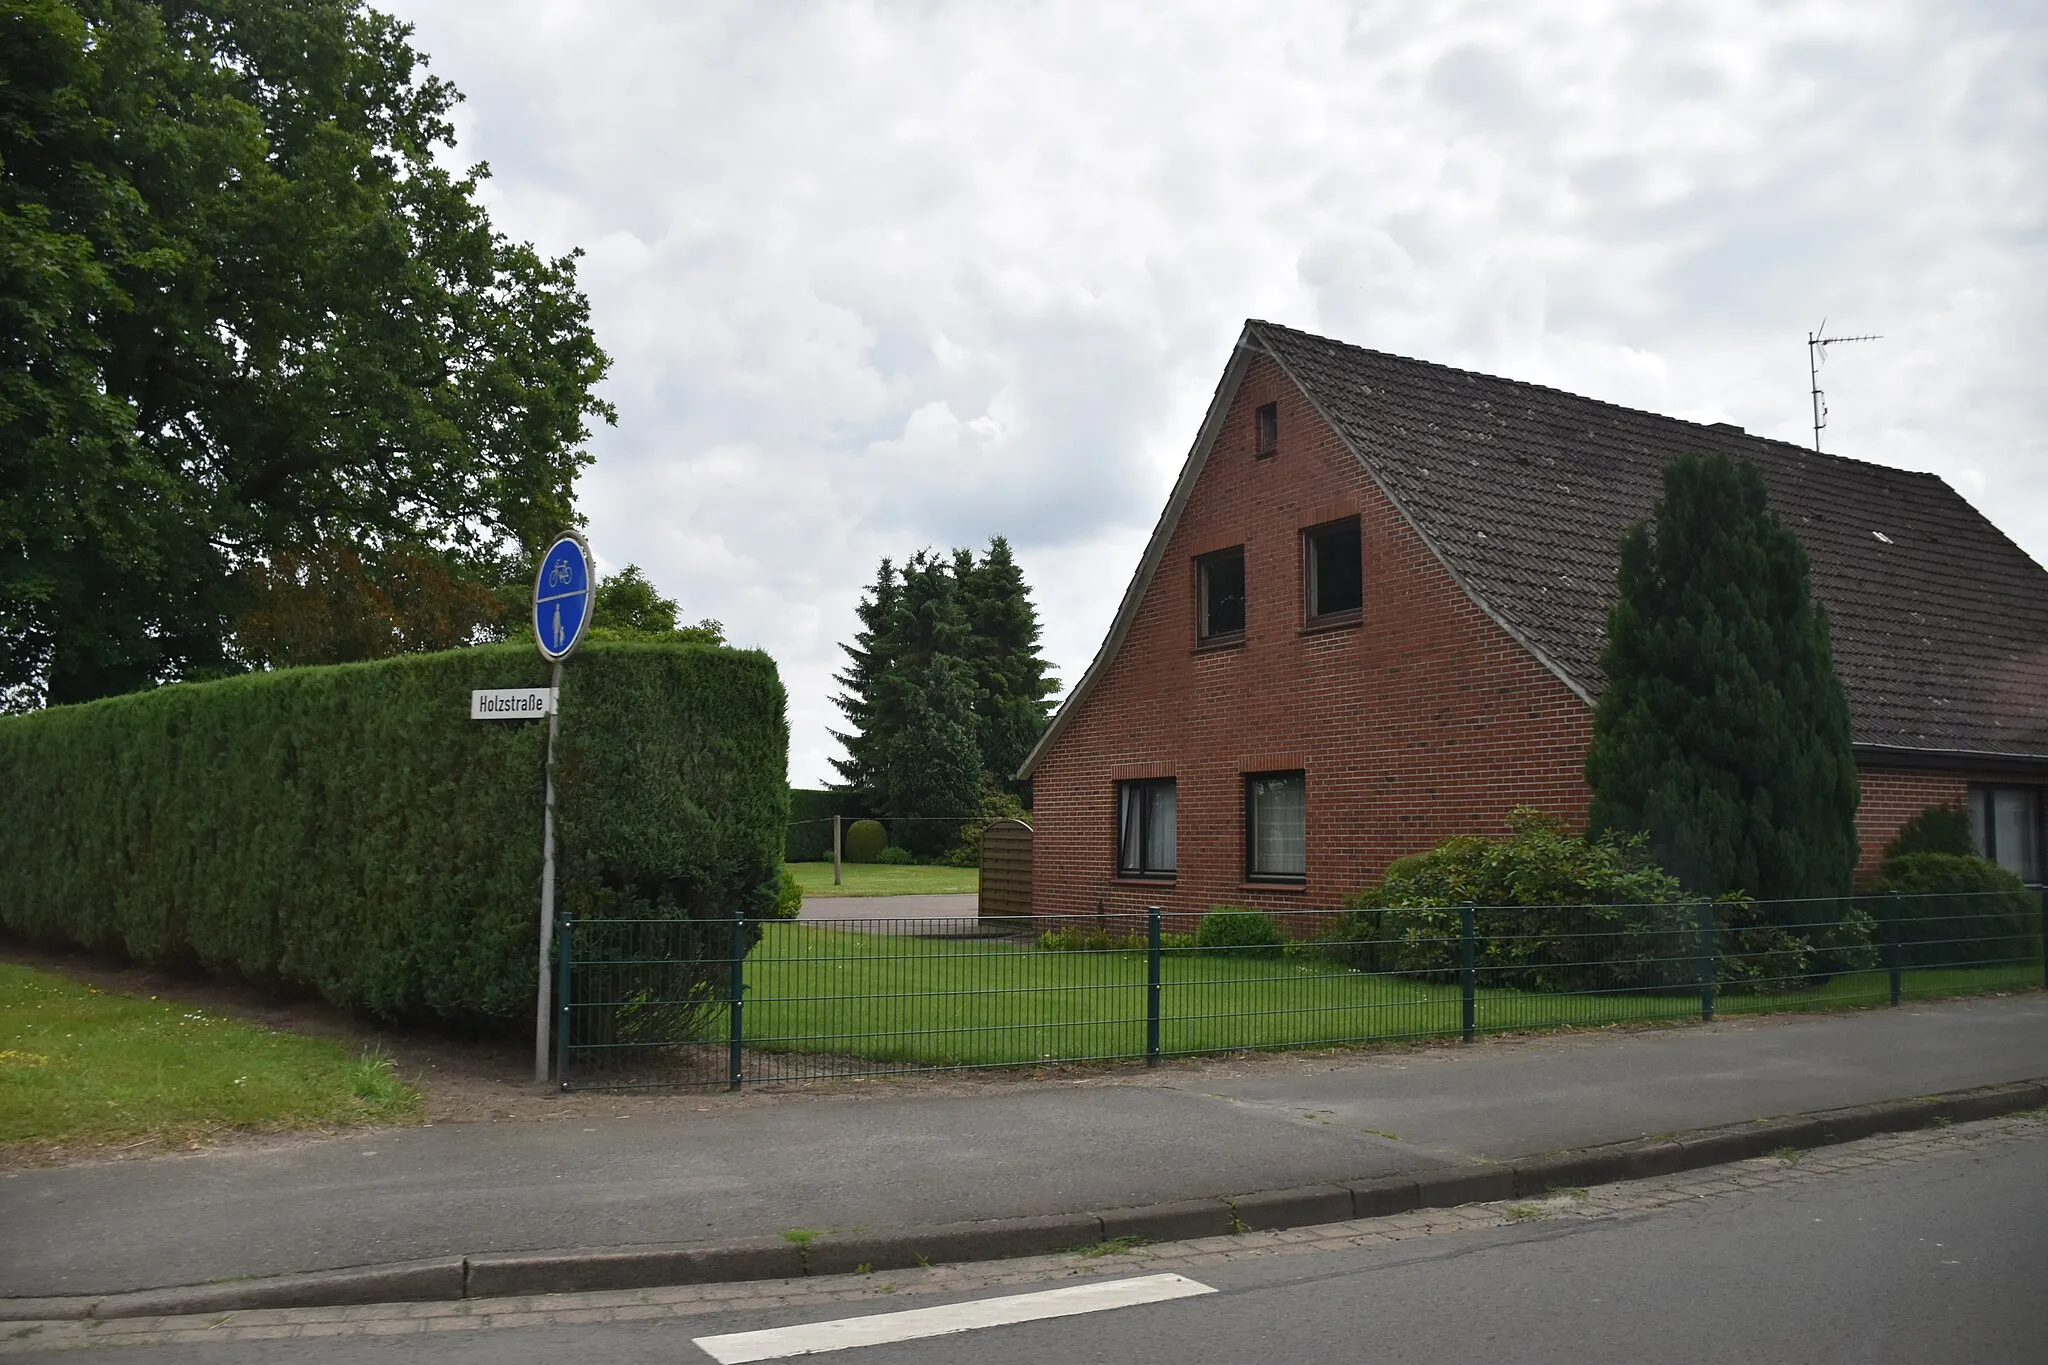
885 879
80 1065
902 1000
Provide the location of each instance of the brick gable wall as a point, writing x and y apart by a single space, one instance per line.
1424 720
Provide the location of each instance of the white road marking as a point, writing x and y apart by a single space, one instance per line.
914 1324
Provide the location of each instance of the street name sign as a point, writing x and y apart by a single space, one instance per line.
564 596
511 703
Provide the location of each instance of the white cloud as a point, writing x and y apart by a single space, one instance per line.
883 276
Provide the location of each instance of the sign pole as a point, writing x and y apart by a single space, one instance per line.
564 600
542 1005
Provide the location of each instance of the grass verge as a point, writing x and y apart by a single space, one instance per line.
80 1065
885 879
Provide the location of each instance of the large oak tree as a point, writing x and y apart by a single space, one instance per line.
251 322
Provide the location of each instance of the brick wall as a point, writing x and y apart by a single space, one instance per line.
1423 720
1892 796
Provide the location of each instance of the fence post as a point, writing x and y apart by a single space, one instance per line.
1710 961
567 931
1891 943
835 850
736 990
1151 985
1467 973
2042 898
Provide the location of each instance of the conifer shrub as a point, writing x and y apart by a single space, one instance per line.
349 830
1959 910
1234 931
1723 731
864 841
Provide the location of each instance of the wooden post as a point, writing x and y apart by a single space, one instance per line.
835 850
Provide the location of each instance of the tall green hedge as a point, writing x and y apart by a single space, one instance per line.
351 831
810 821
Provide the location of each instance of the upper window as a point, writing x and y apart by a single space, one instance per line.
1276 826
1219 594
1269 428
1145 828
2005 822
1333 569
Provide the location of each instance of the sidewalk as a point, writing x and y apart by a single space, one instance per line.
877 1160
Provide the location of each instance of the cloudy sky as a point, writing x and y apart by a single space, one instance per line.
883 276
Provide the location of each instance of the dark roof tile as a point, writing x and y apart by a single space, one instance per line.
1940 622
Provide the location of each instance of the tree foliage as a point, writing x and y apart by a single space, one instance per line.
945 689
255 338
1724 731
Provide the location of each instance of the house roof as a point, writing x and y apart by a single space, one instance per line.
1940 622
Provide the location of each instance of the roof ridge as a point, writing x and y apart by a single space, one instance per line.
1588 398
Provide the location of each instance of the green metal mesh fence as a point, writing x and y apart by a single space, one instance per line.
795 1000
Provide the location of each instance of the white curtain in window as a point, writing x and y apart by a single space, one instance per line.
1279 826
2013 821
1160 827
1145 826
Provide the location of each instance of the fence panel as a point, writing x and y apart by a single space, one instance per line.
672 1003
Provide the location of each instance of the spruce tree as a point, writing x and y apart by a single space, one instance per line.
872 658
1012 686
1724 731
931 775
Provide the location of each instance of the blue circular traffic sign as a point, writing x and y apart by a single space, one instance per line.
564 597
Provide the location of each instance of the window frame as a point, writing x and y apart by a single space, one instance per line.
1146 814
1311 576
1266 430
1203 564
1252 872
1984 827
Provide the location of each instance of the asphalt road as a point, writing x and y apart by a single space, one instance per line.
1935 1260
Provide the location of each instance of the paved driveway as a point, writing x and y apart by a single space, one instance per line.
888 907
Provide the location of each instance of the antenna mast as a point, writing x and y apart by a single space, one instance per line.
1817 343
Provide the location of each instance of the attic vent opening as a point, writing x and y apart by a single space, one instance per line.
1269 429
1882 536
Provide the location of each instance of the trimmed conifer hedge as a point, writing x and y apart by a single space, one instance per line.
350 830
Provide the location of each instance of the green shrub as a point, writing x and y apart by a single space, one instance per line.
996 804
1554 912
789 901
1938 829
1235 931
1959 910
351 831
895 857
863 841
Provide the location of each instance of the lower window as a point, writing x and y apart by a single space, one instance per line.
1276 826
1145 828
2005 822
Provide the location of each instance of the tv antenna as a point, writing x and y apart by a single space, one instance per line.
1817 343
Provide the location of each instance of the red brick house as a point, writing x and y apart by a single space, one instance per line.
1372 613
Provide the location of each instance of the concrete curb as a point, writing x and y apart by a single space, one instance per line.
833 1253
